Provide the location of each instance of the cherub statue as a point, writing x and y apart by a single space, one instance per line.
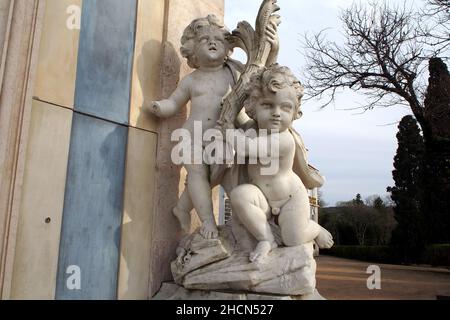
205 46
273 101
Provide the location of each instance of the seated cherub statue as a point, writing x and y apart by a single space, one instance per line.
274 96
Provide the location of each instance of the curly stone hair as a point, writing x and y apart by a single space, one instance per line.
189 37
273 78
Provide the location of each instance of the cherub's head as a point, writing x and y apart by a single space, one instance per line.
204 43
274 98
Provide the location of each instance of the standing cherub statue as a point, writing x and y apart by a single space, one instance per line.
205 46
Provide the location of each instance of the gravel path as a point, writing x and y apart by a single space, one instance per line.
342 279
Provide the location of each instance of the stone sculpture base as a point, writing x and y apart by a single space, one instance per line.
172 291
220 269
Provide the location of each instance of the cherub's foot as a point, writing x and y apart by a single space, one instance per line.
324 240
184 218
262 251
209 230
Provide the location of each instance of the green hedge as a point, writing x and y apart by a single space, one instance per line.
383 254
437 255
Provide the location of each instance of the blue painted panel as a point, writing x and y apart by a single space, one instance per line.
93 208
105 59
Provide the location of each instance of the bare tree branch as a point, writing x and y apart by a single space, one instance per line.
383 55
435 25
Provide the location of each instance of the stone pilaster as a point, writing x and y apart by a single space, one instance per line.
166 232
20 27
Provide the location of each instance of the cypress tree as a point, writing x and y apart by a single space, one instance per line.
409 235
436 182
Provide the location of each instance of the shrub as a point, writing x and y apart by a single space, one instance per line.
437 255
382 254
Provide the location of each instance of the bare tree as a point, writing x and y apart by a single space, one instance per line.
370 200
360 218
322 202
383 56
439 6
436 32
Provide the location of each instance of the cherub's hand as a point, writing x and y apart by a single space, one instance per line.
155 108
272 30
272 37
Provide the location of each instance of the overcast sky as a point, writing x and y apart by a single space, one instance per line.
353 151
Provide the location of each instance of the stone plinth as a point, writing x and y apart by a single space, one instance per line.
223 265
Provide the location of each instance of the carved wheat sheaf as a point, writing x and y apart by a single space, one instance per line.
257 47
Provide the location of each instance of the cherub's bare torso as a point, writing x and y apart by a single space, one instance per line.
284 182
206 90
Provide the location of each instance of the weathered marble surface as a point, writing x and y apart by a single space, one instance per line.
172 291
223 264
230 259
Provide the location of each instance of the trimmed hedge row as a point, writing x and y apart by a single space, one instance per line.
436 255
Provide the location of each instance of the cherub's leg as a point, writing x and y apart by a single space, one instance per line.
200 192
296 225
251 207
183 210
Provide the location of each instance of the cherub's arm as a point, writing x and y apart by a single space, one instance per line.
272 36
243 121
258 147
169 107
